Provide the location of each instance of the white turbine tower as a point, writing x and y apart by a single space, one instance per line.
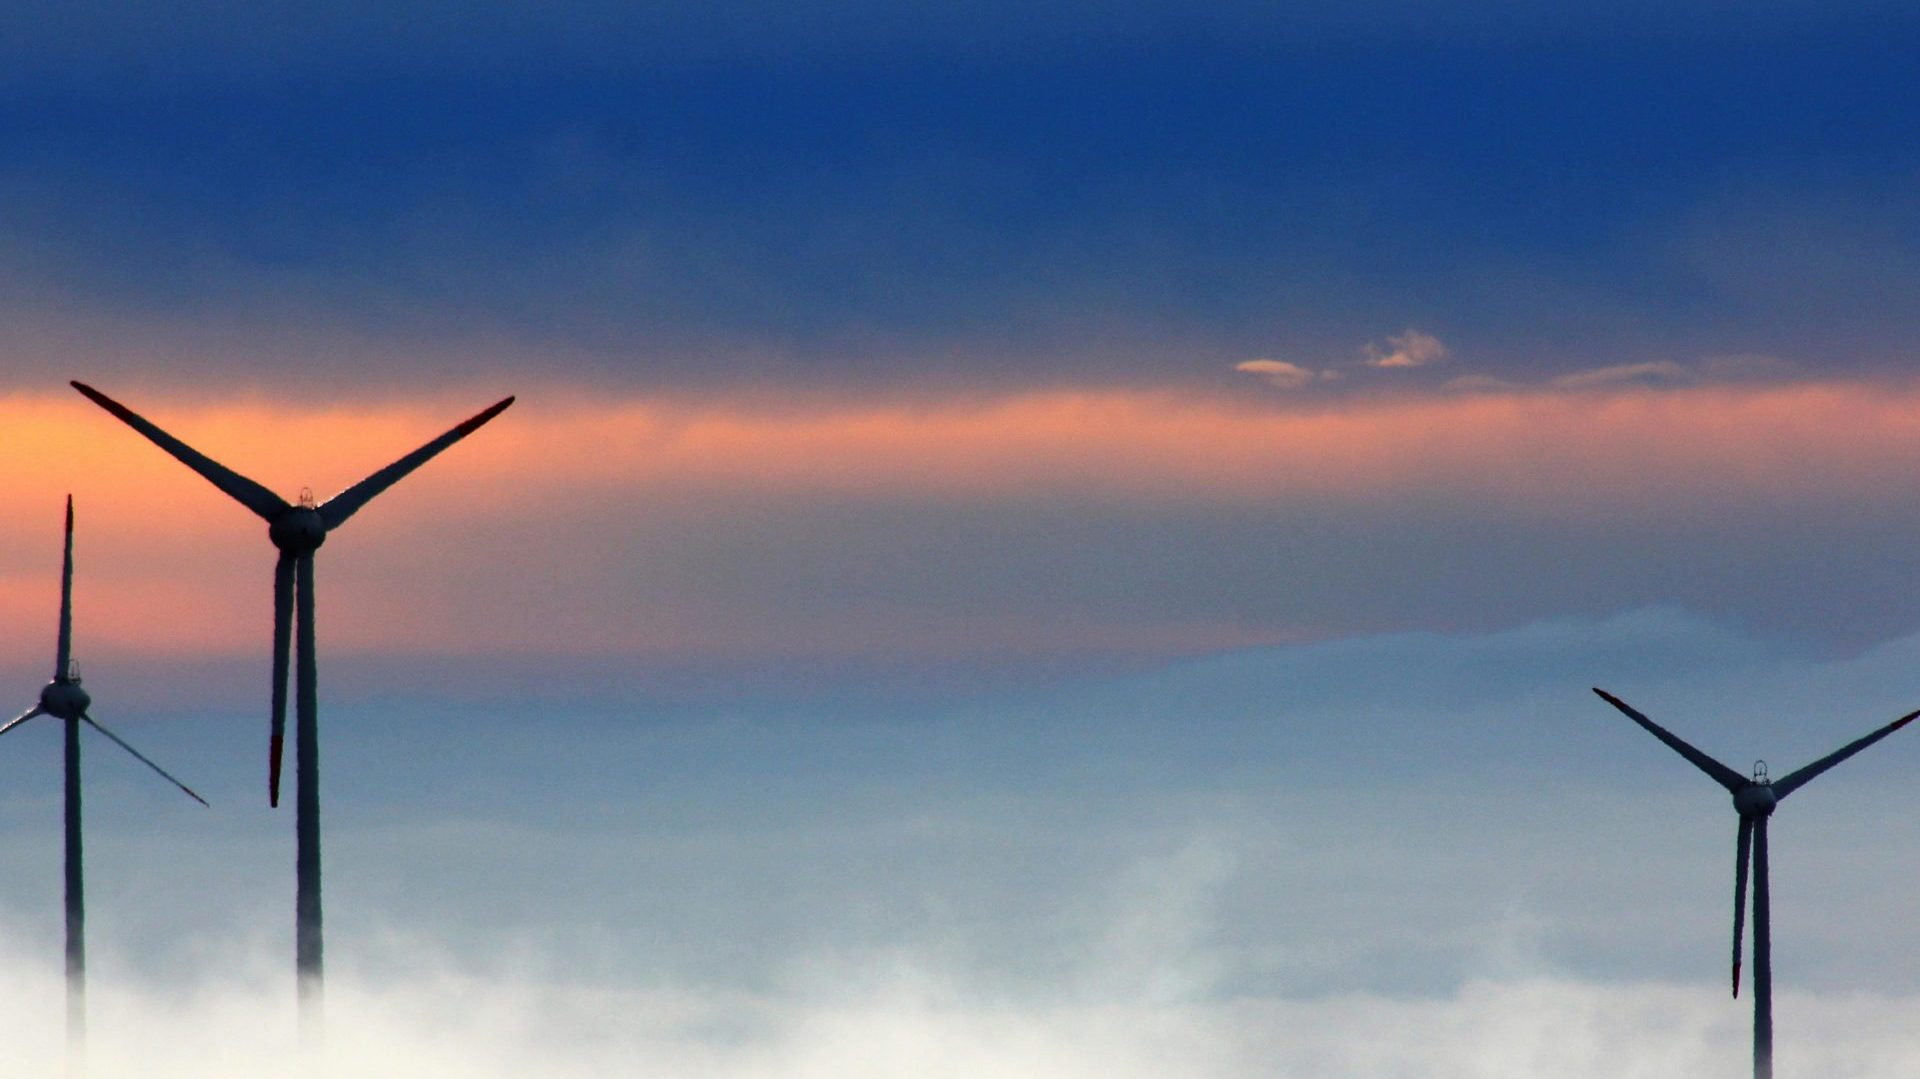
63 699
297 529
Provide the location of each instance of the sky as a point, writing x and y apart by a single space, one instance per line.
1054 541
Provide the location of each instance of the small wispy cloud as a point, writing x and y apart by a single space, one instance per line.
1745 367
1411 349
1479 384
1710 370
1279 373
1653 373
1414 348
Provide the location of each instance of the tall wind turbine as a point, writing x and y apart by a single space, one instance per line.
63 698
1754 798
297 529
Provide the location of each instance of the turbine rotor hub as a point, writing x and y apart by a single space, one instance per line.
64 700
297 530
1755 801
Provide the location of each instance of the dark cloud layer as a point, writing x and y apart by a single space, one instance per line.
1160 207
142 43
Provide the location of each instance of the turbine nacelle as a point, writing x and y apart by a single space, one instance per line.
1755 800
297 529
63 699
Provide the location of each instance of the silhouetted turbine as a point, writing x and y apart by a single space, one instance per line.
1754 798
297 530
63 698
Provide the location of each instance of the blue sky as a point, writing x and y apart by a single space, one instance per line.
1109 514
1117 194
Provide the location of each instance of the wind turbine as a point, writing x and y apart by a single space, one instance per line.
297 529
63 698
1754 798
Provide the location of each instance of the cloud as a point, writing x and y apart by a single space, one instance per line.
1726 369
1744 366
329 253
1096 443
1480 384
912 1015
1202 871
1410 349
1660 373
237 41
1279 373
733 525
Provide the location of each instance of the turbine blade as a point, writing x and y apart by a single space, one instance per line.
282 640
241 489
1793 781
337 509
63 652
137 755
1743 846
22 718
306 678
1721 774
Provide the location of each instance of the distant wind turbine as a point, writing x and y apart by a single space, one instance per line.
297 529
1754 799
63 698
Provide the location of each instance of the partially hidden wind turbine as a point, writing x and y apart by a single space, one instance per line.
297 529
1754 798
63 698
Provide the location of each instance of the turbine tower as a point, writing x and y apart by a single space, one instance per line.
297 530
63 698
1754 798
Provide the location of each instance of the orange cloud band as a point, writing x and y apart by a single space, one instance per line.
1560 450
172 563
1638 444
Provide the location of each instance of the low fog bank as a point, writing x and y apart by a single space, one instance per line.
1414 855
910 1016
